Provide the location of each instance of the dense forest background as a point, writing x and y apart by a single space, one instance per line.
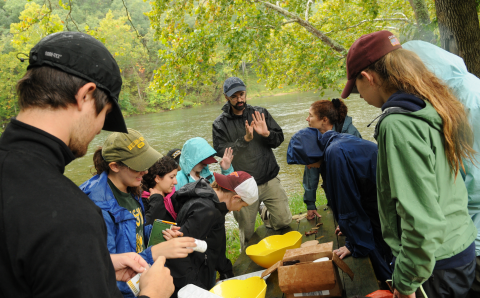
175 54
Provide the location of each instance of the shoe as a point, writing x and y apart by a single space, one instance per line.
264 215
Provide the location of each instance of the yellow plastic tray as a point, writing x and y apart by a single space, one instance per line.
271 249
253 287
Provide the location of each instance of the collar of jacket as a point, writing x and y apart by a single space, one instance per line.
19 137
98 190
199 189
228 111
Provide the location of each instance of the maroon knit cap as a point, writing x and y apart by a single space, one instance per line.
365 51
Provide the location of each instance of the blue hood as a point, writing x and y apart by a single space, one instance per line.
466 87
304 148
193 152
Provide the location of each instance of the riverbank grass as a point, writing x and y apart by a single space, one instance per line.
296 206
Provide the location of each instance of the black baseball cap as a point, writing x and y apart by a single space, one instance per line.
82 55
232 85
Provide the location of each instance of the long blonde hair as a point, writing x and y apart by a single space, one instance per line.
404 70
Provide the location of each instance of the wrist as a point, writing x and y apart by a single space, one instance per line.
246 139
267 134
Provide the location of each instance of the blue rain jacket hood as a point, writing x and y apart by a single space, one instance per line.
193 152
466 87
121 224
303 147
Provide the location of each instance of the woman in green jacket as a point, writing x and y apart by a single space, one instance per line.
423 134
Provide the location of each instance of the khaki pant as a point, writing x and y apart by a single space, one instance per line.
275 199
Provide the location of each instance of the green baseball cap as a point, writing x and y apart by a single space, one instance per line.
130 148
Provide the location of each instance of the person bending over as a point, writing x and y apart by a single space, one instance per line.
203 207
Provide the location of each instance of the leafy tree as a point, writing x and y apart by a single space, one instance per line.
302 43
35 23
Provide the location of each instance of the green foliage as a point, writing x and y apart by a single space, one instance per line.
35 22
199 35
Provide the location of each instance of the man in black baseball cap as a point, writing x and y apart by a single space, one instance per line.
53 239
252 133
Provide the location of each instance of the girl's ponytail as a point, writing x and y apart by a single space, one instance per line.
99 163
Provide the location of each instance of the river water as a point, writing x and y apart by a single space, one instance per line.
168 130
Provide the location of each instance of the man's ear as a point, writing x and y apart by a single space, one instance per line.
84 94
114 167
226 97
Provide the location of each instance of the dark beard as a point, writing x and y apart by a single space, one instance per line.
239 108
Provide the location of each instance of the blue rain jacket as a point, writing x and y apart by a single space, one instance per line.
193 152
466 87
121 224
349 178
305 140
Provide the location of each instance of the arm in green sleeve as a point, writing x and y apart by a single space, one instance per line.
411 169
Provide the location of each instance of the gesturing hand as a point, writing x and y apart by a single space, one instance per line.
260 125
249 131
127 265
227 159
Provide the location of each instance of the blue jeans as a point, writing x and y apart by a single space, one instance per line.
310 185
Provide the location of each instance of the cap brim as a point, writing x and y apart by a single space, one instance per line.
209 160
143 161
114 120
236 89
348 88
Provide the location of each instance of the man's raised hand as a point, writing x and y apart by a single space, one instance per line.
260 125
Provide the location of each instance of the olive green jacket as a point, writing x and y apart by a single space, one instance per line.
422 206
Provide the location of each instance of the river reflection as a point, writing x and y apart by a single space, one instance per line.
169 130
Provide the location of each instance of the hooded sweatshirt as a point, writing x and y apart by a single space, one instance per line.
466 87
422 207
201 216
193 152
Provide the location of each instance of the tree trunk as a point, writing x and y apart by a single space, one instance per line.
423 20
460 30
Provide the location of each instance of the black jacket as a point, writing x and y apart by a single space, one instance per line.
155 209
202 217
53 239
255 157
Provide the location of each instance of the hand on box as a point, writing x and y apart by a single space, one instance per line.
342 252
156 282
176 248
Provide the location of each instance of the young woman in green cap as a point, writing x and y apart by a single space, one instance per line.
423 134
120 165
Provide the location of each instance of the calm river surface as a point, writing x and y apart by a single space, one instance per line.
168 130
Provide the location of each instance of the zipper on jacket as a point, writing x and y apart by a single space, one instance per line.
206 262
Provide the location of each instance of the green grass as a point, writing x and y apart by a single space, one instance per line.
296 206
